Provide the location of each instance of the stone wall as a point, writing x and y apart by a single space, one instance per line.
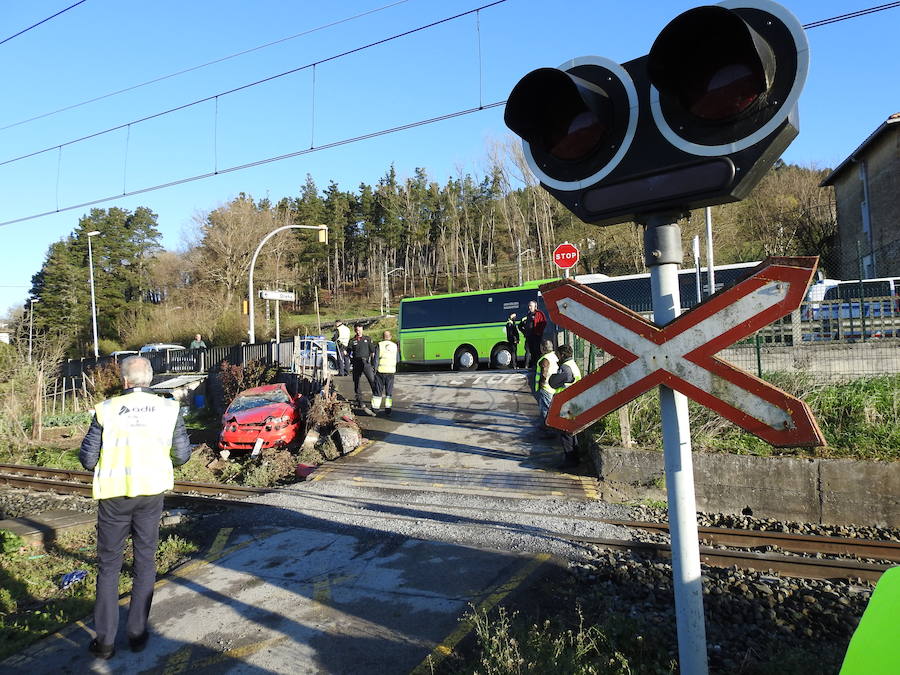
830 491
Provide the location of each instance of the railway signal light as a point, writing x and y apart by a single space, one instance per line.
695 122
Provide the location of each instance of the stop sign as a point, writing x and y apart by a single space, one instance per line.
565 255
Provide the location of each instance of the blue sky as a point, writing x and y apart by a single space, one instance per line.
103 46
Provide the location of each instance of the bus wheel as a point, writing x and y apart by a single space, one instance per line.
465 359
501 357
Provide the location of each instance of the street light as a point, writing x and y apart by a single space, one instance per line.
323 238
93 300
31 326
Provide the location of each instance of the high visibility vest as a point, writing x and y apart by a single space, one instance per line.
137 439
575 371
547 365
343 335
874 648
387 357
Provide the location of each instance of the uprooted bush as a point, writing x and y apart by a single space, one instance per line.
236 379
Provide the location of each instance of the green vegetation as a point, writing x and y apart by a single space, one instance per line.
32 604
508 643
860 420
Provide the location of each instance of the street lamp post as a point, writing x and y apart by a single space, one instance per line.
31 326
93 300
323 237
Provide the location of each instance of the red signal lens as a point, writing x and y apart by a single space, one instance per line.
727 91
562 115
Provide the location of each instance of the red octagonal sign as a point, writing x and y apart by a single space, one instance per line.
565 255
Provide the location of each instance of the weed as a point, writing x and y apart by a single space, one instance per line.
10 541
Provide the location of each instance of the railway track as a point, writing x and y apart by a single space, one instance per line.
722 547
71 481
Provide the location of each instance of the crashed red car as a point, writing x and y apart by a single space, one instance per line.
261 417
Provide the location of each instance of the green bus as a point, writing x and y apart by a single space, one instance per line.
465 329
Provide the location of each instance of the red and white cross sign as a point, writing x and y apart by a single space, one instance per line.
681 355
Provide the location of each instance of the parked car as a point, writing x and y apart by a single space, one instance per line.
122 353
852 307
310 352
158 347
261 417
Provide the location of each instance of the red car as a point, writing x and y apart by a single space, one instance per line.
262 417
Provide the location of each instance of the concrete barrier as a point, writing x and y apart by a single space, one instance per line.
828 491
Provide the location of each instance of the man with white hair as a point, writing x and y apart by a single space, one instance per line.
132 444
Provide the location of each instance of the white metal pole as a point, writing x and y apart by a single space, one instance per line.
277 323
710 270
697 269
93 300
30 328
662 245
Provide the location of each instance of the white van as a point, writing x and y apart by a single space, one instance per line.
867 308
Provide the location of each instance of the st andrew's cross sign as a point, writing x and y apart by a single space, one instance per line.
681 355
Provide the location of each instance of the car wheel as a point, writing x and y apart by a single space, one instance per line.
502 356
465 359
332 365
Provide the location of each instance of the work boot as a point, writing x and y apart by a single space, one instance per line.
105 652
369 412
138 643
387 411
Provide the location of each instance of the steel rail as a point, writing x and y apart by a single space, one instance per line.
788 565
36 476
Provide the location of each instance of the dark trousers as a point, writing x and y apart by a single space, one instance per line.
570 447
343 365
118 517
361 367
532 351
384 384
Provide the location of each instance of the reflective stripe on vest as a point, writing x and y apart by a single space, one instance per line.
343 335
575 372
546 366
137 439
387 357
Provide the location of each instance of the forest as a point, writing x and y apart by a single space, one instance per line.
399 237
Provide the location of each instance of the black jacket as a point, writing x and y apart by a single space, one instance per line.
362 348
561 377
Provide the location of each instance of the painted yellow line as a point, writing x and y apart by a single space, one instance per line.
445 648
218 543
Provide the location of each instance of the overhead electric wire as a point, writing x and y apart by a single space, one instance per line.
267 160
326 146
202 65
242 87
25 30
851 15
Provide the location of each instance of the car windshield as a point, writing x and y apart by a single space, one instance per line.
248 401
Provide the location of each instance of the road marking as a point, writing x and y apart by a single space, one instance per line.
218 543
178 662
446 646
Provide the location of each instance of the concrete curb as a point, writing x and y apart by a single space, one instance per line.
827 491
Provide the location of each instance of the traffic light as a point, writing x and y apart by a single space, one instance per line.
697 121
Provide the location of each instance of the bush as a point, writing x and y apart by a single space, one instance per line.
105 380
237 378
106 346
10 541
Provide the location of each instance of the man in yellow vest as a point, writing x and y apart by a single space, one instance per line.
132 443
385 366
546 365
567 374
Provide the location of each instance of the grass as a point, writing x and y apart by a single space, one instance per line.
860 420
32 604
